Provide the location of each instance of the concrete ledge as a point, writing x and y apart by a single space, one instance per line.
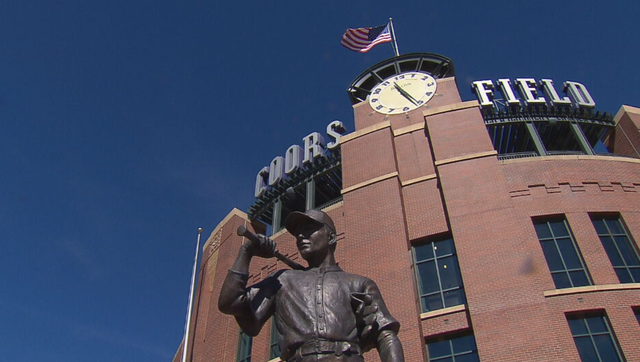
591 289
625 109
280 232
444 311
571 157
447 79
409 129
466 157
364 131
360 104
232 213
450 108
418 179
369 182
334 206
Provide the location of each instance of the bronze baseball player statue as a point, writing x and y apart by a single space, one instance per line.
322 313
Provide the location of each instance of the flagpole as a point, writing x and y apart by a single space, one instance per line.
393 37
190 308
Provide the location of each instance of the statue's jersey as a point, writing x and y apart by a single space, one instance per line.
311 304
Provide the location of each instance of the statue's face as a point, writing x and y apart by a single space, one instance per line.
312 240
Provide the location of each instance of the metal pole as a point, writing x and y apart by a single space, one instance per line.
393 38
535 137
190 308
582 139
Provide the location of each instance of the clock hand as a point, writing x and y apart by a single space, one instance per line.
405 94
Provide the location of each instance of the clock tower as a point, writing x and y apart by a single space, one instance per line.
410 123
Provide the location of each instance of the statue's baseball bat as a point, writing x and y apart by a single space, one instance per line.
243 231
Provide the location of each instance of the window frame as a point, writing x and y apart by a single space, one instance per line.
547 220
441 291
609 332
630 243
274 340
450 338
245 344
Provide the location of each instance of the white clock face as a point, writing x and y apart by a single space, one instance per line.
402 93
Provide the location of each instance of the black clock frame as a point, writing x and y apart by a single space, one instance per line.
437 65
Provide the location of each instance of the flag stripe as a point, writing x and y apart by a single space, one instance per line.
360 35
363 39
356 42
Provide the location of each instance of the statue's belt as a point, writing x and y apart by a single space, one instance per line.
323 346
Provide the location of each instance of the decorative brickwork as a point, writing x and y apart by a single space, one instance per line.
579 187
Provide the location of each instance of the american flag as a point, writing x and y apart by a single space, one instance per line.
363 39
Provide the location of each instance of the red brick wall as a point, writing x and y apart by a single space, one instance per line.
413 155
626 136
210 323
499 268
358 166
458 133
446 324
424 211
376 245
575 188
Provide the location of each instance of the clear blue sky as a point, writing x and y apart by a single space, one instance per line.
126 125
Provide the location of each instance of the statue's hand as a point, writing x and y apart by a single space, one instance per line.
365 313
264 247
370 322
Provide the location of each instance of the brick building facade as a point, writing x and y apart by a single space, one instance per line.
479 255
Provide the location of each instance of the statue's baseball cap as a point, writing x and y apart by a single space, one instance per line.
315 216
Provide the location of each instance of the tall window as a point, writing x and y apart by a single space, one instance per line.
620 249
274 347
637 312
594 339
458 349
561 252
244 348
438 275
